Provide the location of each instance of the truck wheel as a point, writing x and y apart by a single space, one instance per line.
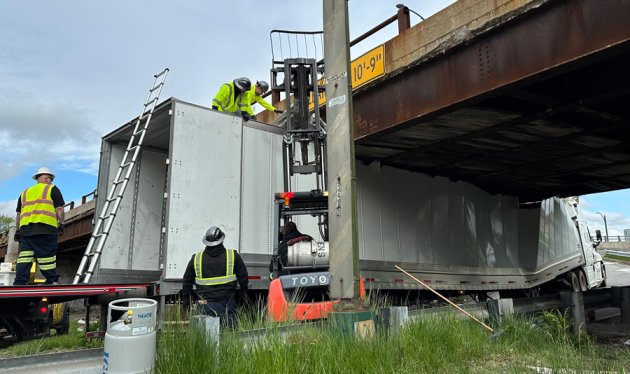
583 281
574 281
603 284
64 326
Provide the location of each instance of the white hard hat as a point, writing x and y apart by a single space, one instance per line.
214 236
43 170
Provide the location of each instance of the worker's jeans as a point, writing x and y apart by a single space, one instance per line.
41 248
225 309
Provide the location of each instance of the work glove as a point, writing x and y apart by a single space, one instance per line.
253 117
246 116
60 229
278 111
17 236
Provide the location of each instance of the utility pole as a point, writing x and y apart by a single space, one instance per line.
342 206
605 224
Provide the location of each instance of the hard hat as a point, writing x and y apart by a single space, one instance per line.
43 170
264 85
214 236
243 84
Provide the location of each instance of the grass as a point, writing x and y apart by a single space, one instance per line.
439 343
73 340
620 259
435 343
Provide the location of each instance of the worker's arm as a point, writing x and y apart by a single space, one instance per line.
264 103
241 272
18 210
188 281
248 98
58 203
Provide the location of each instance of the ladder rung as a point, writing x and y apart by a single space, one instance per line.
149 103
139 131
128 163
156 87
119 181
162 73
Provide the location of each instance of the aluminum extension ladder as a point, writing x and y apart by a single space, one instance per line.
110 207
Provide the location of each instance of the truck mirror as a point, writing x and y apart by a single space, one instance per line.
598 235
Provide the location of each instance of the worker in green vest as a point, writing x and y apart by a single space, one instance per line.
40 221
232 97
215 273
255 96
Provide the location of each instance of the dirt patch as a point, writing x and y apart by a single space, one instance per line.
612 334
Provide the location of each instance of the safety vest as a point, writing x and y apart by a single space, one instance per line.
37 205
226 102
213 281
252 98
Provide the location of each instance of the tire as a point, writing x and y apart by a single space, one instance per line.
64 327
574 282
583 281
603 284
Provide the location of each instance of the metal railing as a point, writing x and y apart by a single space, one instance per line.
612 238
84 199
611 252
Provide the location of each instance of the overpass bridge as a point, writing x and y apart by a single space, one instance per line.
520 97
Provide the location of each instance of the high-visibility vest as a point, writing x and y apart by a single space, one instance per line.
252 98
226 101
37 205
213 281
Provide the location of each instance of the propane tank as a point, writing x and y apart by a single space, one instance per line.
313 254
130 340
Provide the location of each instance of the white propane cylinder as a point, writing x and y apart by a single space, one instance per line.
130 340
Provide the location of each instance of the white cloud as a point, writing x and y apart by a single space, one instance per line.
616 221
34 131
7 208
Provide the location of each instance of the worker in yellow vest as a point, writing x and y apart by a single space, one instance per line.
232 97
40 221
255 96
215 272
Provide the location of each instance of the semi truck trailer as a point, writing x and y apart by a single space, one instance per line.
199 168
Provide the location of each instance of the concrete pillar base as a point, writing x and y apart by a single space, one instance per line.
573 303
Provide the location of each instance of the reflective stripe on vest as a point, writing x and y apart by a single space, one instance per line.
213 281
37 205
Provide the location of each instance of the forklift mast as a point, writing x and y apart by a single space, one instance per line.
299 77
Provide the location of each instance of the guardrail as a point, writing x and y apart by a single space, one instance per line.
612 238
617 253
84 199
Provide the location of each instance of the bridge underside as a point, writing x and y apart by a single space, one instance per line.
535 107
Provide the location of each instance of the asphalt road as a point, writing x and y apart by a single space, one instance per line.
618 274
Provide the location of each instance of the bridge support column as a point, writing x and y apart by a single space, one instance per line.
12 245
621 300
573 303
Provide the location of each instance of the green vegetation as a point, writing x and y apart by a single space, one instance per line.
443 343
614 258
73 340
5 221
435 343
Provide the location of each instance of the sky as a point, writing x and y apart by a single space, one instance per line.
72 71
